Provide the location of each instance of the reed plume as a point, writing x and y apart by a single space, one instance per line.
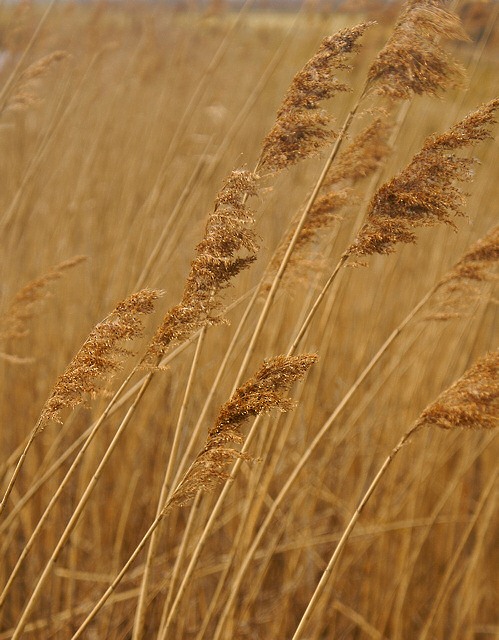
424 194
458 288
365 153
413 61
24 94
302 128
264 391
14 322
472 402
101 355
227 233
477 263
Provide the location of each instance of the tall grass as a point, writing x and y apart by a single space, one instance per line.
278 214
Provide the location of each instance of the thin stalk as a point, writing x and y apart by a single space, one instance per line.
60 488
77 512
19 464
451 566
179 558
118 578
318 301
308 453
346 534
151 552
159 246
301 223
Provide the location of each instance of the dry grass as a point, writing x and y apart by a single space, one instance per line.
120 127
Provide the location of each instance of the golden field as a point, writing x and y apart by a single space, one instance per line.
119 125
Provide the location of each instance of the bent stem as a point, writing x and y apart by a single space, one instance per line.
19 464
346 534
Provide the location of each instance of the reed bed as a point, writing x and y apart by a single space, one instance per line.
248 322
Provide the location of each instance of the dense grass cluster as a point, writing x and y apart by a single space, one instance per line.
248 323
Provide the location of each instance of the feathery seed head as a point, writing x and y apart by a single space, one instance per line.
227 233
458 288
101 354
424 193
302 128
412 62
472 402
363 155
13 324
265 391
24 95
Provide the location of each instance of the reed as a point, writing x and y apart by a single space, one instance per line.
138 502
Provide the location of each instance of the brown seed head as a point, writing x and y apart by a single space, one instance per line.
362 156
413 62
470 403
217 261
101 355
265 391
302 127
458 288
13 324
424 194
24 94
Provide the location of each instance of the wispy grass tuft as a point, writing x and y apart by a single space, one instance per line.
14 322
